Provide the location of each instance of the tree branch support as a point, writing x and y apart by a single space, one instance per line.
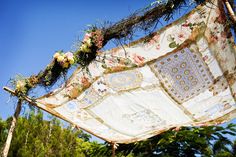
12 128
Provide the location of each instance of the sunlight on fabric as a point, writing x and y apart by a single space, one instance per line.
182 75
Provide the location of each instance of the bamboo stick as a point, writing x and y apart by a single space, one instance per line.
113 150
12 128
231 11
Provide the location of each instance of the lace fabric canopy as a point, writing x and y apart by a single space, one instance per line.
181 75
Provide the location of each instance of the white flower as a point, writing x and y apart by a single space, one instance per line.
20 85
194 18
69 54
87 36
182 33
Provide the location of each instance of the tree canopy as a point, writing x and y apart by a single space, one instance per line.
34 136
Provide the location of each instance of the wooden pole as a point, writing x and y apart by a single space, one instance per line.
12 128
32 102
231 11
113 150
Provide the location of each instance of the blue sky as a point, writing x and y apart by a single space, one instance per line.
32 30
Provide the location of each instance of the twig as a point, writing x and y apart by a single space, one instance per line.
230 10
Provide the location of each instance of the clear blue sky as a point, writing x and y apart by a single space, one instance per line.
32 30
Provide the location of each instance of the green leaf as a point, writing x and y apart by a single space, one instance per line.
104 66
173 44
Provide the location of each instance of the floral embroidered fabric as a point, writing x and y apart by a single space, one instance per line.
181 75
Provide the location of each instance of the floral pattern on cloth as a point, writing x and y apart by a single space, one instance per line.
220 84
134 54
111 63
185 30
182 33
139 60
221 43
74 88
120 80
154 41
220 40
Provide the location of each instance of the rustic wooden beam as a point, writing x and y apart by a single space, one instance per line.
12 128
26 98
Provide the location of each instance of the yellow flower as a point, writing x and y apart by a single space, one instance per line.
89 42
20 85
56 55
85 48
65 65
71 60
60 58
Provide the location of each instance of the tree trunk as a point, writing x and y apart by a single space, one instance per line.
12 128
